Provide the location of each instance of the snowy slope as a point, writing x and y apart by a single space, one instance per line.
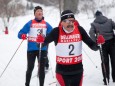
15 73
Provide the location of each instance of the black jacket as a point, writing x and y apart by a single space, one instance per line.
75 68
103 26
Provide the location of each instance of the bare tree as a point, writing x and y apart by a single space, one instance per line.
88 7
47 2
29 5
61 5
71 5
93 7
85 9
10 8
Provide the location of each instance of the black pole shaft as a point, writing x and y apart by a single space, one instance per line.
90 58
40 46
103 64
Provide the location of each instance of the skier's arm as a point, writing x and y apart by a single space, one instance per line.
113 24
52 36
87 39
49 28
92 33
24 30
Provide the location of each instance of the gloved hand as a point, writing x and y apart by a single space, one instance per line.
24 36
40 38
100 39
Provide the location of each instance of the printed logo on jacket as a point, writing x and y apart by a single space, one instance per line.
69 47
36 28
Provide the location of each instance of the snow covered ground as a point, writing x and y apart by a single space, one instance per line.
15 73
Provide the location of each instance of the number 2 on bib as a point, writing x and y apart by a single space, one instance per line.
71 48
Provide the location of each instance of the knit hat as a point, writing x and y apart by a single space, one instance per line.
67 14
36 8
98 13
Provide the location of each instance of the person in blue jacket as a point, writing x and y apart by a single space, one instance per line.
30 31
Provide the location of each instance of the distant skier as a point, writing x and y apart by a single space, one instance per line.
68 37
104 26
33 28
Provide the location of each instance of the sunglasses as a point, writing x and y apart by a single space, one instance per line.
68 21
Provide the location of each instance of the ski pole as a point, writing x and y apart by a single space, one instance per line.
40 46
52 83
102 57
11 59
50 63
90 58
51 68
103 64
39 63
40 31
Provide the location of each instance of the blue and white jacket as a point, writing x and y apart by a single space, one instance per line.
32 29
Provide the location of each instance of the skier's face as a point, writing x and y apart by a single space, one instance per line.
39 14
68 24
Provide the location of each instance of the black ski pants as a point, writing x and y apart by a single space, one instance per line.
31 56
70 80
108 49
